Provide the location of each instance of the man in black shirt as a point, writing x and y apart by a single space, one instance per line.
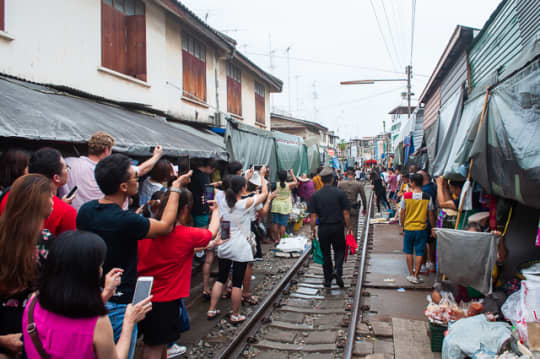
331 206
122 229
201 177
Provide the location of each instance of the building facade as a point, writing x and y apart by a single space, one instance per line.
311 132
153 53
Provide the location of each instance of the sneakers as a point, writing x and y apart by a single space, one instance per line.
430 267
423 269
175 351
339 282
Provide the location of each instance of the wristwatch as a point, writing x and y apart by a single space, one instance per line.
177 190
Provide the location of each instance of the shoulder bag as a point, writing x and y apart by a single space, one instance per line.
32 330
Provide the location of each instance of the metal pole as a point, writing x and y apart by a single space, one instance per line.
289 89
409 67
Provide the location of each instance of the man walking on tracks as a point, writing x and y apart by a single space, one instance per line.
416 207
331 206
352 189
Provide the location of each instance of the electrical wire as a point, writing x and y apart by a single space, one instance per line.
413 18
361 98
391 32
382 35
322 62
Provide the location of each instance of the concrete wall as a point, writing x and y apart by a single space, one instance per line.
67 51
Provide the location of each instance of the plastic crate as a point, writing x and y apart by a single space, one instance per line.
436 334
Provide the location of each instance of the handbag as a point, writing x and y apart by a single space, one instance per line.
32 331
317 251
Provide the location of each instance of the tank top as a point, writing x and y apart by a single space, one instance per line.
282 204
60 336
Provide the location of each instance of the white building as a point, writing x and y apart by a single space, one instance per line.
154 53
399 116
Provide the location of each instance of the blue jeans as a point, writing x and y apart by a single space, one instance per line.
116 316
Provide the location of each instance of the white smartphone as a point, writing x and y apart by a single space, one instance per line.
142 289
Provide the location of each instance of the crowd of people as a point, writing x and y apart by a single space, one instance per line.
76 233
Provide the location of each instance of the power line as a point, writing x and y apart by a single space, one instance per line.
398 57
361 98
412 29
382 35
323 62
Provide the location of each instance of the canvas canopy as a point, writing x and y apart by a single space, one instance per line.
291 153
466 257
506 151
251 146
36 112
278 150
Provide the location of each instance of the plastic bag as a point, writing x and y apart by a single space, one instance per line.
317 251
523 306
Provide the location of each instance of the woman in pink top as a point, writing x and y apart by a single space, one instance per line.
70 315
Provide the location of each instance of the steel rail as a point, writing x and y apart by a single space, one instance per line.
237 344
349 346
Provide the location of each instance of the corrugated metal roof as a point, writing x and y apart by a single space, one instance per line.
459 41
431 109
529 19
499 42
454 79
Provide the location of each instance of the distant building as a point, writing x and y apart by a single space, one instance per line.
399 116
311 132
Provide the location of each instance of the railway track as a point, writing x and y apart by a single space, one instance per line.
302 319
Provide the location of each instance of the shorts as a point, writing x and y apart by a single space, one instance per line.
238 271
201 221
162 324
281 219
415 240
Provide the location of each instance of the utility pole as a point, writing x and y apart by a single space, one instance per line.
288 50
271 59
409 70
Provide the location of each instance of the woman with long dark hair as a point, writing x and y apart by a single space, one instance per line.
69 312
237 251
13 164
29 204
168 259
282 204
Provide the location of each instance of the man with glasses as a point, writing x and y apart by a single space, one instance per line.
50 163
121 230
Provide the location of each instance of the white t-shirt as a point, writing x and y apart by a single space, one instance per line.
237 247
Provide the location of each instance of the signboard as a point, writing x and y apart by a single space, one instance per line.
354 152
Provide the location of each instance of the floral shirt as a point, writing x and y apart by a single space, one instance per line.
19 300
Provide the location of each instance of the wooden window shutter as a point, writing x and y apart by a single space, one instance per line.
259 109
2 16
193 68
136 46
108 39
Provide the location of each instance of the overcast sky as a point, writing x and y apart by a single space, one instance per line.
333 41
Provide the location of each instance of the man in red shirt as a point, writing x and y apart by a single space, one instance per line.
50 163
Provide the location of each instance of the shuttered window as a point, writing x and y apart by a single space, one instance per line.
2 14
193 68
123 37
259 103
234 90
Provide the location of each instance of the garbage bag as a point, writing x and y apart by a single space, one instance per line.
467 336
523 306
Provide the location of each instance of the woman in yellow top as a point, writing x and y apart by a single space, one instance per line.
282 205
